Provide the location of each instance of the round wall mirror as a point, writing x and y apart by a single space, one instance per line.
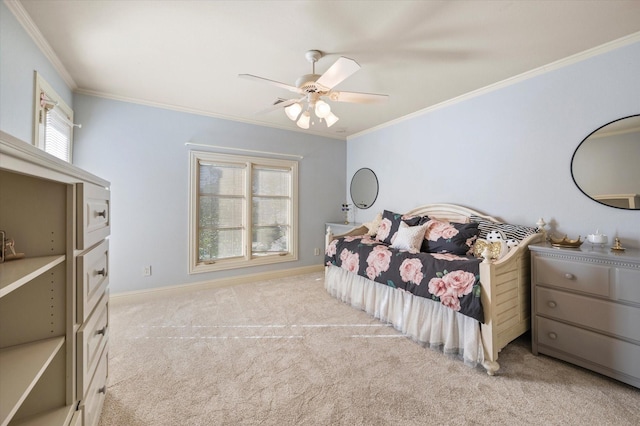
364 188
605 164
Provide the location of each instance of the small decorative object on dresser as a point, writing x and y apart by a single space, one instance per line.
586 308
565 242
617 247
345 211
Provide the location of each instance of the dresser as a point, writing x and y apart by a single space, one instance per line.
586 308
54 316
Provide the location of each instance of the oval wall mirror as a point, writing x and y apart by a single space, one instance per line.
364 188
605 164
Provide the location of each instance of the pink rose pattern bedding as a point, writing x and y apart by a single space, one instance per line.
450 279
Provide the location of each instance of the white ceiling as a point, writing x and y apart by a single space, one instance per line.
187 54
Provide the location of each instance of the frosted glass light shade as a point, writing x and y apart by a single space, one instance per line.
331 119
303 122
322 109
293 111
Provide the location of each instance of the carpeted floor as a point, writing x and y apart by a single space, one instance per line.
284 352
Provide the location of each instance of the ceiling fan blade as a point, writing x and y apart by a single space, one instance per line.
359 98
339 71
275 83
279 104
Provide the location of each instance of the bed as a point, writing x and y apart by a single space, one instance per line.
504 293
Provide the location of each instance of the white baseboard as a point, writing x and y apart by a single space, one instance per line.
140 295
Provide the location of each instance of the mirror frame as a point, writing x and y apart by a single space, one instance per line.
360 172
573 158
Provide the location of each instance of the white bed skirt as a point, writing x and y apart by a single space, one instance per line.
425 321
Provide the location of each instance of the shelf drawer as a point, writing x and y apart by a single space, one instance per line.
577 276
92 339
94 215
584 345
92 278
601 315
94 398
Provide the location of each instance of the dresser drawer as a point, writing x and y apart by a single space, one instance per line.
94 222
92 278
628 285
578 276
92 339
94 398
588 349
598 314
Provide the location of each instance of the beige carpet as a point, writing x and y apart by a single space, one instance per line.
283 352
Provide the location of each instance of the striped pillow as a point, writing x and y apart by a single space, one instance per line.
508 232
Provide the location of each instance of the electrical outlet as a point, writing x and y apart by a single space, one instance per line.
316 251
146 271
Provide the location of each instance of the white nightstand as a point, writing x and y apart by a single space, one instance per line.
341 228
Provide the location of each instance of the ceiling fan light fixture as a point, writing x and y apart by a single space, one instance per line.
331 119
322 109
293 111
304 120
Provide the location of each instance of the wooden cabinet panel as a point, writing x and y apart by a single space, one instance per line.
50 208
94 399
92 339
94 215
93 278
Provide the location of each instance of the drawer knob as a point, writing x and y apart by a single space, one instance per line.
551 304
102 331
103 213
102 272
102 389
553 336
569 276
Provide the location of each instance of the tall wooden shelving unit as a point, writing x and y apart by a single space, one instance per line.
38 294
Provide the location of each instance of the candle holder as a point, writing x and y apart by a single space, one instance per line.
345 211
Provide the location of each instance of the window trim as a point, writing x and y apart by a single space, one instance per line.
41 85
247 260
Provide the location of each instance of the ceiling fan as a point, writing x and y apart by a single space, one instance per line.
315 89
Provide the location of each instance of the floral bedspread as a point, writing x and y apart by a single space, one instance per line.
450 279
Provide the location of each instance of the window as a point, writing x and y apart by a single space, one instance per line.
243 211
53 127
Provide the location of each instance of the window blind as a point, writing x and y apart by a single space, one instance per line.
57 134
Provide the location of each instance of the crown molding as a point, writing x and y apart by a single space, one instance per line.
30 27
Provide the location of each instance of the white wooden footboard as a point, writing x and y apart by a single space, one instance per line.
506 301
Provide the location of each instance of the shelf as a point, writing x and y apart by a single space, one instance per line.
20 368
16 273
59 416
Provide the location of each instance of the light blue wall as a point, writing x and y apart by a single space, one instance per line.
141 151
19 58
507 153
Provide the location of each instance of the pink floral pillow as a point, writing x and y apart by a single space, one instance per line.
390 223
448 237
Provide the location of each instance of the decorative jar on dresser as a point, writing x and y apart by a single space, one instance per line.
586 308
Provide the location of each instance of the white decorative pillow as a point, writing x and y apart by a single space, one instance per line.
409 237
374 225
